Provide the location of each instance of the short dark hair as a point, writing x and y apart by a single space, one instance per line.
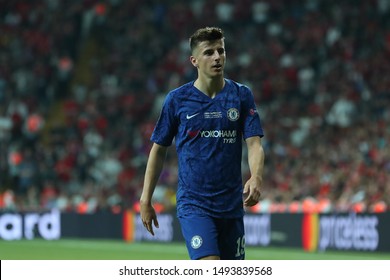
205 34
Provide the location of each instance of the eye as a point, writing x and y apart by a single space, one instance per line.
221 51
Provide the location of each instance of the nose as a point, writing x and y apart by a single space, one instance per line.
217 55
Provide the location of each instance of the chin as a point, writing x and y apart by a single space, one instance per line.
218 73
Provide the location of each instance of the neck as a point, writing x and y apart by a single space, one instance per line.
210 86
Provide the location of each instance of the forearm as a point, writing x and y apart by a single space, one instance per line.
252 188
255 158
152 173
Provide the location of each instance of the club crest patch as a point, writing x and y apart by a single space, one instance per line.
196 241
233 114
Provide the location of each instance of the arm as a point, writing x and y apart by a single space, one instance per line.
256 163
152 173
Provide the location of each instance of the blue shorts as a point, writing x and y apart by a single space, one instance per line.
208 236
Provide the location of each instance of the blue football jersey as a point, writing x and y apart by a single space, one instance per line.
208 134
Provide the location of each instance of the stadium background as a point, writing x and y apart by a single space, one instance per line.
81 85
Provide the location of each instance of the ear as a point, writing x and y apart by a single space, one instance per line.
193 61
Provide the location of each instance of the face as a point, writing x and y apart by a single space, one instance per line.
209 57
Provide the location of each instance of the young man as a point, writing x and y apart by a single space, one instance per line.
208 118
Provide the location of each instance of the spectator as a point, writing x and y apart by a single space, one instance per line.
86 77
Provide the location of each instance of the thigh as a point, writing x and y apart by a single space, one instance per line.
201 236
231 239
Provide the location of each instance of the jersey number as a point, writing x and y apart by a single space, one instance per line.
240 246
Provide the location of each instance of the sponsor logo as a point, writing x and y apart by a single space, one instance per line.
191 116
233 114
258 229
341 232
15 226
349 232
229 136
196 241
193 133
218 133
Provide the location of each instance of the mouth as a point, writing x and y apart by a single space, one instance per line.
218 66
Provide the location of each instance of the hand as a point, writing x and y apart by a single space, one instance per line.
148 216
251 193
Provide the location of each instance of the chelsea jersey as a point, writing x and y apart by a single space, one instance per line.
208 134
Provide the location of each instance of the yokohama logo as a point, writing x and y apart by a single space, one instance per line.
218 133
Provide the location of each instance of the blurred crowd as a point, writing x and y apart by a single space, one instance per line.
82 83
